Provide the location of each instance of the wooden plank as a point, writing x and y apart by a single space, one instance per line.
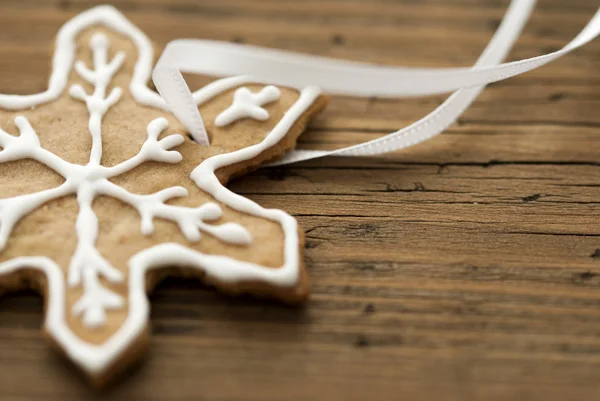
464 268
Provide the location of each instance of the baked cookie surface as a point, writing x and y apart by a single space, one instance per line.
102 193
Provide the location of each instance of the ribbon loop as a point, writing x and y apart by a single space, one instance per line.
349 78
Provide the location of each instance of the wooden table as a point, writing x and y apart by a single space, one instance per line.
464 268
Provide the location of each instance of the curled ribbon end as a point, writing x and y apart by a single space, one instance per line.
350 78
200 137
178 98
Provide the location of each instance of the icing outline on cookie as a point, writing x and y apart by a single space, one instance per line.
96 359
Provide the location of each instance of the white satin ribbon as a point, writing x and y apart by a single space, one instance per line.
339 77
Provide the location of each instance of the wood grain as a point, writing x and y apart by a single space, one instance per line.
465 268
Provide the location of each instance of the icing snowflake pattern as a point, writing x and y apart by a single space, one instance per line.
97 305
92 180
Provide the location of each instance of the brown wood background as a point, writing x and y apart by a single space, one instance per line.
465 268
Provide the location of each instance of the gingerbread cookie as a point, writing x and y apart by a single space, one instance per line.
102 194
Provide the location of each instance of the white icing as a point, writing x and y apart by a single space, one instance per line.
87 182
109 17
92 180
65 55
248 105
100 77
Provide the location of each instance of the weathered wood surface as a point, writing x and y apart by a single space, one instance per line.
464 268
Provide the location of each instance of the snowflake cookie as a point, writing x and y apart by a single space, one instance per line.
100 196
